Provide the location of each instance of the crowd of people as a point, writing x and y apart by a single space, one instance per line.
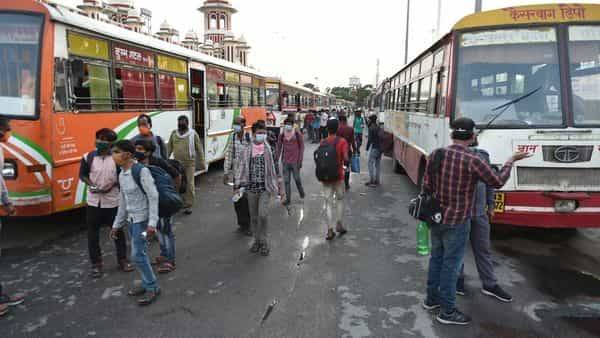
136 184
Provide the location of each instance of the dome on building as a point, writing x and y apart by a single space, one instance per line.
90 4
191 35
129 4
242 39
209 43
165 26
217 4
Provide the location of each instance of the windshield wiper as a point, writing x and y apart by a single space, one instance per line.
507 105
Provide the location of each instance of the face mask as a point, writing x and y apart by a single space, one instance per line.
5 136
260 138
237 128
140 156
144 130
102 147
289 127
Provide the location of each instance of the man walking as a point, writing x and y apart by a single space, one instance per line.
375 152
347 132
138 208
290 149
144 123
186 148
333 189
99 171
238 141
323 119
358 124
483 211
456 171
8 208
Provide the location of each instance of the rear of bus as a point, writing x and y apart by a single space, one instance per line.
26 65
547 59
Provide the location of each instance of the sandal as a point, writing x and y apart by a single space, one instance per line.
136 291
3 309
330 235
148 298
265 250
125 266
255 247
159 260
166 267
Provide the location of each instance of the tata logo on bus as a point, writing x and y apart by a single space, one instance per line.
566 154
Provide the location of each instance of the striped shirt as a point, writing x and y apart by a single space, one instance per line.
454 184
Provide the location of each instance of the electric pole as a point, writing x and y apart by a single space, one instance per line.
407 29
477 6
438 21
377 75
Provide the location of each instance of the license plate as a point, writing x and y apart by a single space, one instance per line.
499 202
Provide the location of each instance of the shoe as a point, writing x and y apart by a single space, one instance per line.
248 233
255 247
460 288
13 300
187 211
340 230
166 267
498 293
136 291
330 235
265 250
96 272
428 305
454 318
148 298
368 184
125 266
3 310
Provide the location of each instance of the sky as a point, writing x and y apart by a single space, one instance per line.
327 41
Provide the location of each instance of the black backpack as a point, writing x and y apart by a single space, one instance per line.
181 170
169 200
327 166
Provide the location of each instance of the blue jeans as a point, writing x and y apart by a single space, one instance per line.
447 255
166 238
375 165
139 255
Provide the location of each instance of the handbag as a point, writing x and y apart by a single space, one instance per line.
426 206
355 163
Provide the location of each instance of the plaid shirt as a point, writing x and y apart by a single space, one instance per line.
455 183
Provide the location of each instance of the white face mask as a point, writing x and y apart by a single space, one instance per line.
260 138
237 128
289 127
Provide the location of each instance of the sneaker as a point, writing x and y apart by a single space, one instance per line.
187 211
13 300
148 298
255 247
454 318
497 292
125 266
429 305
3 310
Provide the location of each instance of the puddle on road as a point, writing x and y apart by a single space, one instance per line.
499 331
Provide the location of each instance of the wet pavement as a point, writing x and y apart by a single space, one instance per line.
369 283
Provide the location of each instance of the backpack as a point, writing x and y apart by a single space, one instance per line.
181 170
327 166
169 200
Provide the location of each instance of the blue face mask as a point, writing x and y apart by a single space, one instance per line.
237 128
260 138
288 127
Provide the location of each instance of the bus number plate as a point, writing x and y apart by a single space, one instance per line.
499 202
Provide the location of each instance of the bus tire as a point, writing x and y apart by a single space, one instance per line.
398 169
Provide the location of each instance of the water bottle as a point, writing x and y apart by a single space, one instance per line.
423 247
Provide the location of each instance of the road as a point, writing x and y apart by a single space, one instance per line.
369 283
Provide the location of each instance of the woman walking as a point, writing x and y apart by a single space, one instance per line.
259 175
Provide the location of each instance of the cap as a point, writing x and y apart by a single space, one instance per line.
463 125
333 123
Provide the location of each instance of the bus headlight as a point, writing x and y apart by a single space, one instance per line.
565 206
9 171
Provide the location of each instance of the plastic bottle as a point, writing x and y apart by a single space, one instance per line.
423 247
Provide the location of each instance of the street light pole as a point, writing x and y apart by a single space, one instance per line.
477 6
407 30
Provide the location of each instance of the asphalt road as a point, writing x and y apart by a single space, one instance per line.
369 283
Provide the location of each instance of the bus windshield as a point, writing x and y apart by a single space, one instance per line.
19 63
497 66
584 56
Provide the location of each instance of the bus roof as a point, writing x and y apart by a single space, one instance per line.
534 14
72 18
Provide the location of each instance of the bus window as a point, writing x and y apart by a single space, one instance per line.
182 96
91 86
497 66
60 85
19 63
425 86
232 96
135 89
584 55
166 85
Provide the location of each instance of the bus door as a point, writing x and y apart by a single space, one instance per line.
198 100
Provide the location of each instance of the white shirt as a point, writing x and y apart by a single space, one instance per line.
324 118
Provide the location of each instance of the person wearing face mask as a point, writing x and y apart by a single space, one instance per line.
144 123
144 150
99 172
290 148
258 173
8 208
238 141
185 146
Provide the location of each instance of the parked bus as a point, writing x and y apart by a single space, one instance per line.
64 75
284 98
530 78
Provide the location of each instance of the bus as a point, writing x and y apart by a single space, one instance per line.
284 98
530 78
64 75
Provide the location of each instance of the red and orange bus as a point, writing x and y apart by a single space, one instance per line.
64 75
